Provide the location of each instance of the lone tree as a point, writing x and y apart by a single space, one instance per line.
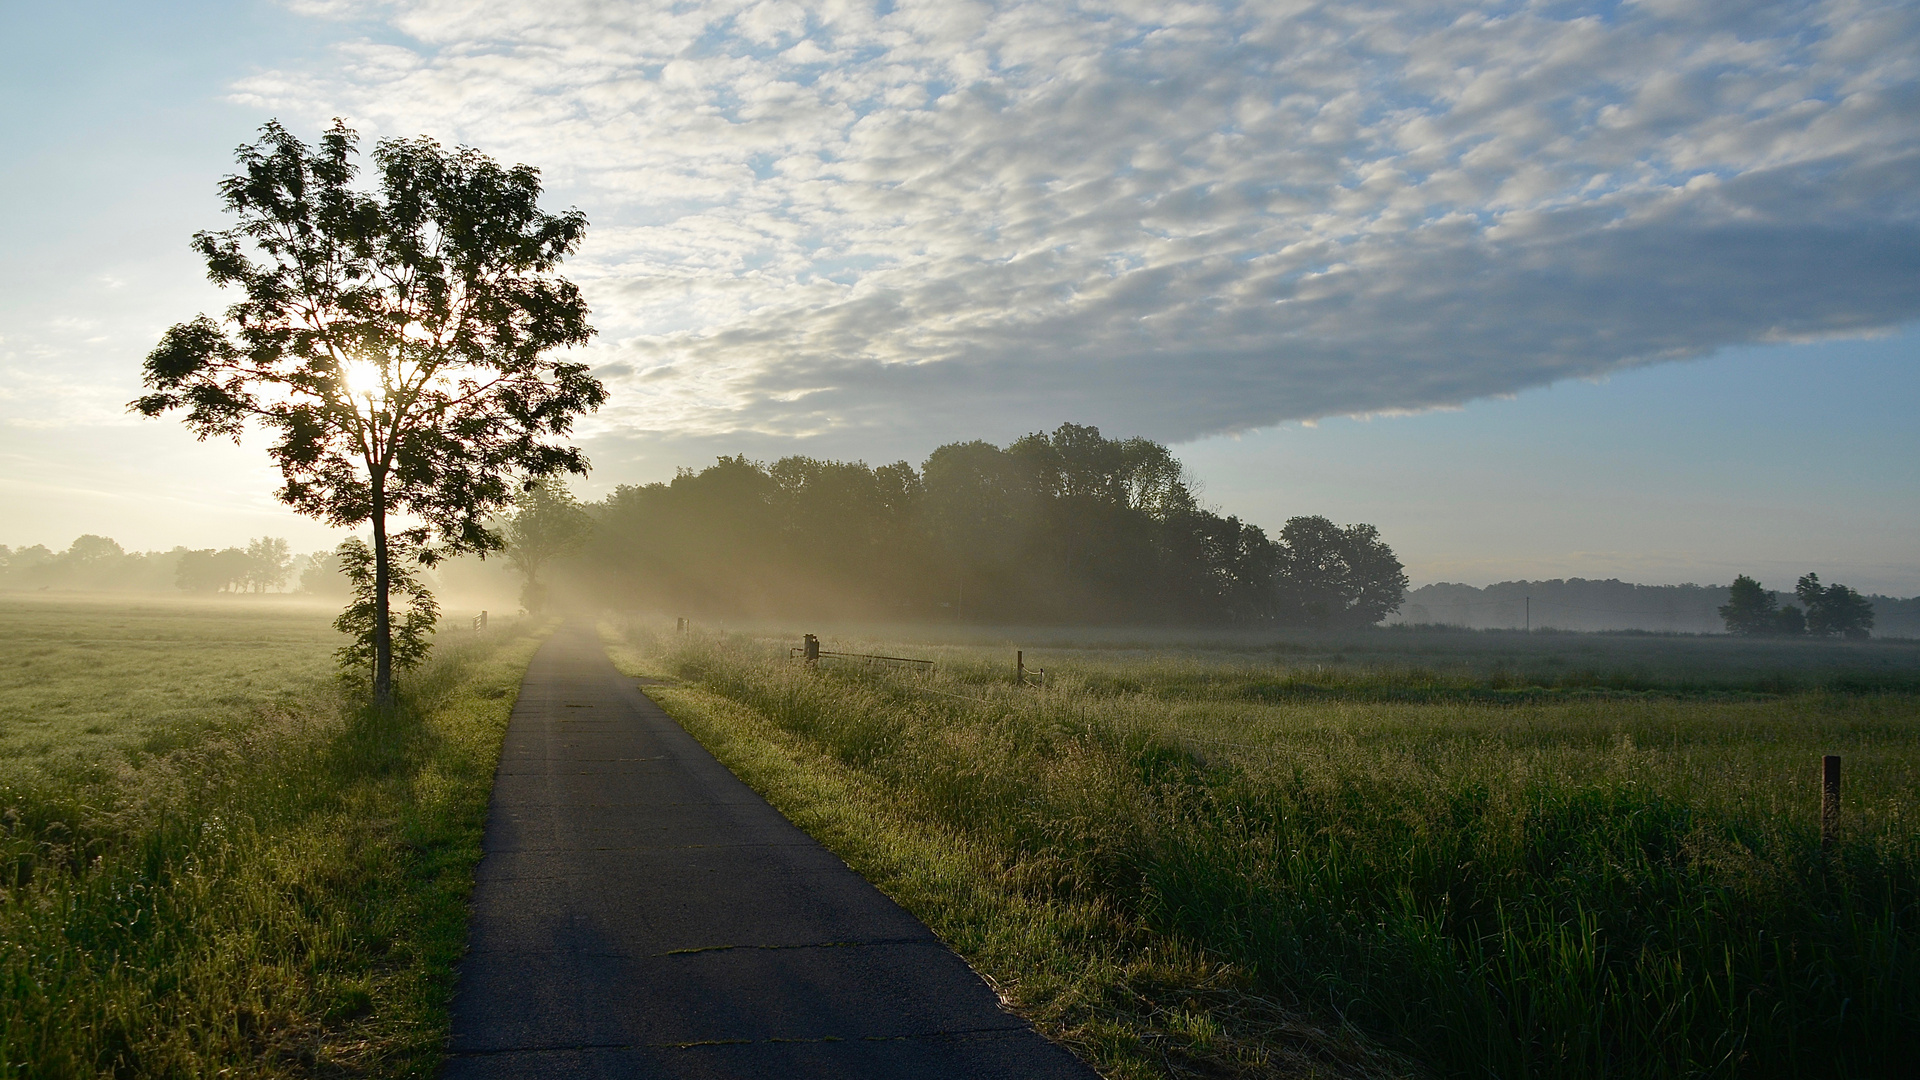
395 342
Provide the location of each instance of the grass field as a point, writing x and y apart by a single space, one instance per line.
1460 854
79 679
213 861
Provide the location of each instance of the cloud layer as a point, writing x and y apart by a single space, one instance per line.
1173 219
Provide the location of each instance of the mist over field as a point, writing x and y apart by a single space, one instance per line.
1063 528
1362 540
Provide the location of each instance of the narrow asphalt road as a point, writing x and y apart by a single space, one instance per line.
639 912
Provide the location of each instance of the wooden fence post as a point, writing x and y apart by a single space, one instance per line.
1019 668
1829 799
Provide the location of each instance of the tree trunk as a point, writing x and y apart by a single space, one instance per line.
382 618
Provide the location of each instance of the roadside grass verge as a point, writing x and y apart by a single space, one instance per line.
278 891
1134 1003
1622 886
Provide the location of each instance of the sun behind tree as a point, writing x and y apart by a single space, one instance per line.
394 342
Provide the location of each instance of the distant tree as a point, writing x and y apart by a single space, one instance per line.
1834 609
1810 591
410 635
196 571
1750 610
1337 577
548 522
208 570
1790 621
394 342
90 562
28 557
321 574
92 551
235 569
1060 527
21 565
979 504
1847 613
269 563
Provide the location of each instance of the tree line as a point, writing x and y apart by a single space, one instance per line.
98 563
1061 527
1823 611
1580 604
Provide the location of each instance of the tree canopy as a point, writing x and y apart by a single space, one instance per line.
1826 611
1750 610
1834 610
1063 527
397 344
547 522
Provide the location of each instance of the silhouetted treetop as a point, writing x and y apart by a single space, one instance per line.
1067 526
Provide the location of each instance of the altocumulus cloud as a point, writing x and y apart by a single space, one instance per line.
1170 218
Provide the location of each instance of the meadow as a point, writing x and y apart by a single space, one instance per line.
215 860
1385 853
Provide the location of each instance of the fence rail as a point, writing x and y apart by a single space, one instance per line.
811 652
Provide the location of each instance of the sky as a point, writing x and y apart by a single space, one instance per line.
1541 290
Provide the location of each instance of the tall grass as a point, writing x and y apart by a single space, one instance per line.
280 894
1624 886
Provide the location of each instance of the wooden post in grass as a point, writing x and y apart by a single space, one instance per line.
1829 799
812 652
680 626
1019 668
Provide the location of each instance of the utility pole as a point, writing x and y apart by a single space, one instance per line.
1529 614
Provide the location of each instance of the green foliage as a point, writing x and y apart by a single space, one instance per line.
270 881
207 570
1834 610
1067 527
411 635
269 563
394 343
1790 621
1602 884
98 564
1830 611
547 522
1750 610
1338 577
321 574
